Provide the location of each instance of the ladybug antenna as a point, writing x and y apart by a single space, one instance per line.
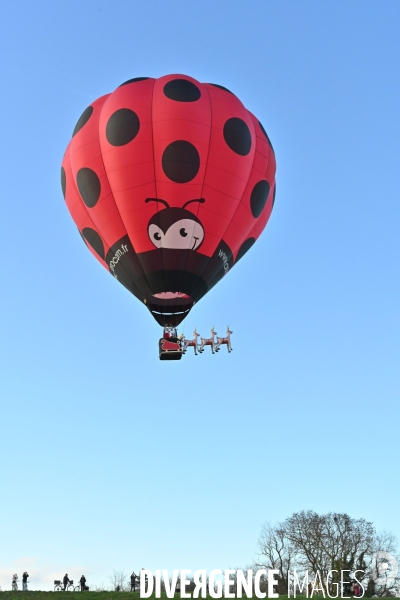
201 200
157 200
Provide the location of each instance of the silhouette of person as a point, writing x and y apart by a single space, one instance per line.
25 581
133 581
65 581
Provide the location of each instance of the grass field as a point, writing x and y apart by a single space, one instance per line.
36 595
8 595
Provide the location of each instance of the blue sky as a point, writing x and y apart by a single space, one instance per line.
111 459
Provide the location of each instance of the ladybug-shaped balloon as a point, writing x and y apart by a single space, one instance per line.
170 182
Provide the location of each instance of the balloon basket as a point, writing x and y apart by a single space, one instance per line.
170 349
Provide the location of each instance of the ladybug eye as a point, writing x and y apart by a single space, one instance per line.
183 232
156 235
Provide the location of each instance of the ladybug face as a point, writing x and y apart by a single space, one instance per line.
175 228
137 155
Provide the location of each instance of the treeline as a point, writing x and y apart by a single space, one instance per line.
331 547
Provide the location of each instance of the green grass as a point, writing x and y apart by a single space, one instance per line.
34 595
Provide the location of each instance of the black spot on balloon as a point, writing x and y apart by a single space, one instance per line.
266 134
63 181
122 127
83 119
89 186
259 197
221 87
180 161
93 238
134 80
244 248
82 238
273 197
182 90
237 135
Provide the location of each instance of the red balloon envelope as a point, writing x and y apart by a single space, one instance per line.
170 182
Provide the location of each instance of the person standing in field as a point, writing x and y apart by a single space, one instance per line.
25 581
82 581
65 581
133 581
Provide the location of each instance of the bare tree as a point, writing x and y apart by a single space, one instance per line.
275 551
119 581
329 544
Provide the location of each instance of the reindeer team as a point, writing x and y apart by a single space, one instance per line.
215 345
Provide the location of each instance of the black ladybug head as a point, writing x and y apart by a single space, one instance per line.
176 228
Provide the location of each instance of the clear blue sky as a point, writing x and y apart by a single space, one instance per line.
111 459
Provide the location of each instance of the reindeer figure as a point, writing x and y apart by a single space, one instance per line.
224 341
193 342
208 341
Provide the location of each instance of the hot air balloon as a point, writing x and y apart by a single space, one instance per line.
170 182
